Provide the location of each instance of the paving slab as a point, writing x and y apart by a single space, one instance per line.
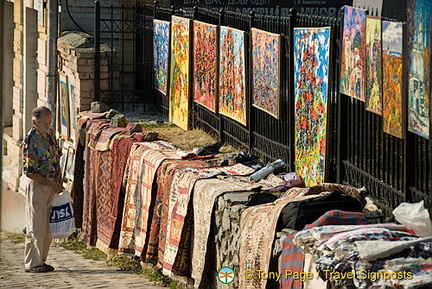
71 270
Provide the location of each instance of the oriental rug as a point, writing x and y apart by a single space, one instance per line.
180 194
164 177
143 161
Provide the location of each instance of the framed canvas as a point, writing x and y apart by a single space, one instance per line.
72 109
69 172
266 71
179 72
161 33
352 80
392 77
63 159
232 74
69 186
312 52
419 48
63 106
205 64
373 97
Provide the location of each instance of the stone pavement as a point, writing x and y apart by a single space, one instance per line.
71 271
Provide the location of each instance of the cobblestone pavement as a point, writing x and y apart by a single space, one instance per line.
71 271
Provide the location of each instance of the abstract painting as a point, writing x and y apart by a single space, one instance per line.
160 54
352 81
419 49
392 77
373 65
266 49
179 73
232 74
311 79
64 105
205 64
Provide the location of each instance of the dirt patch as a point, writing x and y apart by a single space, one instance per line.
186 140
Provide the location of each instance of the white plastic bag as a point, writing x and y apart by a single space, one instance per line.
414 217
62 219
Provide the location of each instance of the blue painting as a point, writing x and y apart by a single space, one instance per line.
160 54
352 80
419 47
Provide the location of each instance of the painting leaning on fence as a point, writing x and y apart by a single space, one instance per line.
419 47
179 80
160 54
373 65
232 74
392 77
266 71
352 80
311 66
205 64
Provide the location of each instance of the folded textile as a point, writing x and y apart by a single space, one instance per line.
373 250
292 256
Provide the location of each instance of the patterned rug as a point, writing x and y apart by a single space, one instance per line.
103 138
143 161
204 195
258 228
164 177
174 259
88 230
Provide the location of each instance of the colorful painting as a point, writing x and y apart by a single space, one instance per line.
232 78
373 65
419 49
205 64
71 82
160 54
392 77
179 73
266 71
352 82
311 78
64 106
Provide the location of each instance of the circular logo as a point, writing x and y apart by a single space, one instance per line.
226 275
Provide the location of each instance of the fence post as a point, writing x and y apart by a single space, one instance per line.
249 118
155 8
221 138
97 51
290 101
342 103
192 106
408 142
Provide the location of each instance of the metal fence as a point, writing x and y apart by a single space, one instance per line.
358 152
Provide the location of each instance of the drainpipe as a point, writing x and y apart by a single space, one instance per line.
51 83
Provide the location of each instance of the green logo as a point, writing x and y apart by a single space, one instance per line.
226 275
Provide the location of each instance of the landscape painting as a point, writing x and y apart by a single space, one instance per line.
179 73
352 80
205 64
232 78
266 72
392 77
311 79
